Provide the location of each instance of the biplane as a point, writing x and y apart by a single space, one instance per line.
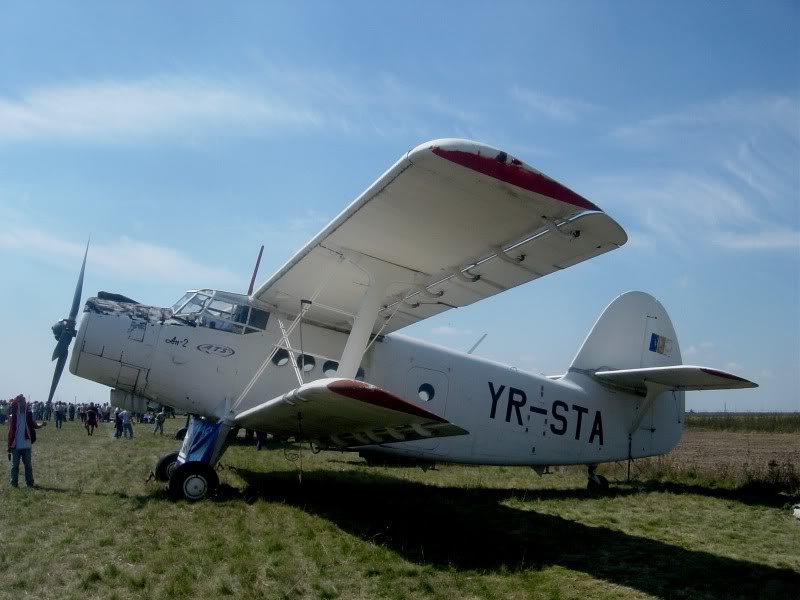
316 353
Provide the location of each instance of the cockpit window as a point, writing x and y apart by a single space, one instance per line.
194 305
182 301
222 311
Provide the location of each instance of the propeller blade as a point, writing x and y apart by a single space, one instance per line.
76 299
64 330
62 347
255 271
62 359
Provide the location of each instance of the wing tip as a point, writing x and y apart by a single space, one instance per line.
500 165
731 376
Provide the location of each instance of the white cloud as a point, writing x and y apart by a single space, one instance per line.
729 176
739 110
766 239
186 108
116 111
555 108
133 259
449 331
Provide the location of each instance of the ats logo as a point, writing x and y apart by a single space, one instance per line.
216 350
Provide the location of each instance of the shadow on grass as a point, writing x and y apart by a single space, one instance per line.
471 529
753 495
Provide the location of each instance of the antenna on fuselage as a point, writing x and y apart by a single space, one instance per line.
255 271
478 343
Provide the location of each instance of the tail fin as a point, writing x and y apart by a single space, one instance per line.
633 346
633 332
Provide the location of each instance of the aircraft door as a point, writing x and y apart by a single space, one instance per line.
428 389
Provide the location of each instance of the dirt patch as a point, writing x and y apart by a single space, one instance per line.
735 450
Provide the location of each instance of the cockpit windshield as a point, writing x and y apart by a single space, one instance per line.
195 304
223 311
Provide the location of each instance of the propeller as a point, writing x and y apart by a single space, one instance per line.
64 330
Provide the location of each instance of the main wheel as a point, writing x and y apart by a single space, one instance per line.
193 481
166 466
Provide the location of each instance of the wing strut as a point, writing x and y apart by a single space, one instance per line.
303 308
380 277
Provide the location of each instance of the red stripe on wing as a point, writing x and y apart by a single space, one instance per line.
376 396
515 174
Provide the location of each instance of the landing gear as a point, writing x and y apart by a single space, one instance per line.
190 472
596 483
181 433
165 466
193 481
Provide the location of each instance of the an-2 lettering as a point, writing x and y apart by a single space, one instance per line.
176 342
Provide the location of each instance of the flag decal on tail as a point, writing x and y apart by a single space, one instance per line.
660 344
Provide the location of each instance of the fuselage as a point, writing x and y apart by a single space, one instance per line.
513 417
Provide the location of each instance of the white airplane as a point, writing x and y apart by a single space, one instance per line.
313 353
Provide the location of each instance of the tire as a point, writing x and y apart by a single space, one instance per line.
597 483
180 434
193 481
166 465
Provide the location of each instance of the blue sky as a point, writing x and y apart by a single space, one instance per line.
183 135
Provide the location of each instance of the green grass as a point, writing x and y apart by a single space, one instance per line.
95 529
760 422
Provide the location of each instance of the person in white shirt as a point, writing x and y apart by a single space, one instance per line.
127 426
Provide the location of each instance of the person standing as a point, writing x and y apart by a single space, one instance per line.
91 418
21 436
117 423
160 418
60 409
127 426
71 411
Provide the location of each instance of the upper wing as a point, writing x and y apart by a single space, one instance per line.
680 377
345 412
458 221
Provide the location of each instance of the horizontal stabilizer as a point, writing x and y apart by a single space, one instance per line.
679 377
342 413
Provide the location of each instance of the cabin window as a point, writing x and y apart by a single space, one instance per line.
258 318
330 368
426 392
306 362
281 357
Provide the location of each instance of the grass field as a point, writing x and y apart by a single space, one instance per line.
689 526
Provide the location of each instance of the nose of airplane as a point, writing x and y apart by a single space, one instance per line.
115 342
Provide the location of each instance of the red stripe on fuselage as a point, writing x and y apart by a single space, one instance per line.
376 396
517 175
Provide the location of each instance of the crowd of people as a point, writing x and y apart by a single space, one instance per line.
24 418
84 412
